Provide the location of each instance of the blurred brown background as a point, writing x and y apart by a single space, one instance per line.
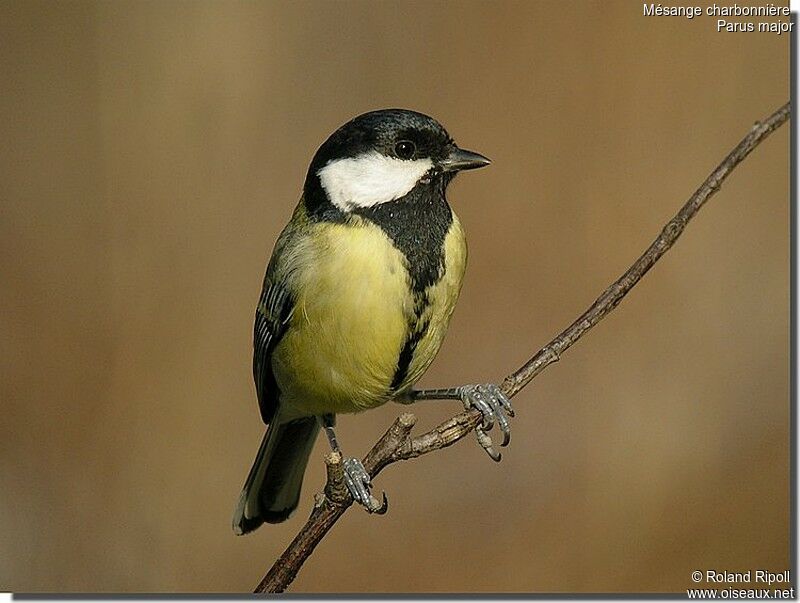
151 153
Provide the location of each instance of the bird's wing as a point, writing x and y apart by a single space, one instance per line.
272 318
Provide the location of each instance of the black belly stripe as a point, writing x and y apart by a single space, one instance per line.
417 225
407 355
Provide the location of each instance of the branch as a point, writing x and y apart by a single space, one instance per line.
397 443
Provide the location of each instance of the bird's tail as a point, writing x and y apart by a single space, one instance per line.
272 489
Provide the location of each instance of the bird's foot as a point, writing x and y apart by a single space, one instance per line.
358 484
494 405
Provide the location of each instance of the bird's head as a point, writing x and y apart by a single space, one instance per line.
381 156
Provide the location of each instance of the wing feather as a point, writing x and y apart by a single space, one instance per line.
272 318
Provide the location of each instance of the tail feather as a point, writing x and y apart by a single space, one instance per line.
272 489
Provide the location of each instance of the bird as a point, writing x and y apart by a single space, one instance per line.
356 300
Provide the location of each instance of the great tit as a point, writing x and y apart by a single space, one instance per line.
356 300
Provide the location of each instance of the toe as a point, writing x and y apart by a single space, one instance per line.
505 428
504 401
497 396
473 396
495 407
357 481
500 411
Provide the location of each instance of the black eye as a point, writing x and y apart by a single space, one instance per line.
405 149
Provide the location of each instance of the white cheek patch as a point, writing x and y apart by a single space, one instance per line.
370 179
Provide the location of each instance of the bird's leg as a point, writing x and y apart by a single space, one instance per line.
356 477
486 398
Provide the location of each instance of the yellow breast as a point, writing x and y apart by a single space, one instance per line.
349 321
352 315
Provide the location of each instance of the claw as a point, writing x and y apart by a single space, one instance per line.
486 443
495 406
378 508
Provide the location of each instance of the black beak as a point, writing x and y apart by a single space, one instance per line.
459 159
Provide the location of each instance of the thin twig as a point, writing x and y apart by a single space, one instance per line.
396 444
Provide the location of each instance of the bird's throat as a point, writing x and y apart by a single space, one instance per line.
417 225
